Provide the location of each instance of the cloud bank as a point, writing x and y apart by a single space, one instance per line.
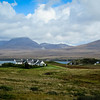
73 23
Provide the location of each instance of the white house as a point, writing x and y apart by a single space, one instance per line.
42 63
30 62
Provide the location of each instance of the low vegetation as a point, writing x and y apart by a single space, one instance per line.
53 82
85 61
5 88
25 66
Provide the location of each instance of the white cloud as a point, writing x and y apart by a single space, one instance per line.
43 14
73 23
14 4
49 3
6 10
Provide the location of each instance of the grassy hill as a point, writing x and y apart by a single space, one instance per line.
49 83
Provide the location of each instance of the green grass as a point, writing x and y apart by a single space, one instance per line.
49 83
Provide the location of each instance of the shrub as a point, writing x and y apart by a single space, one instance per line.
19 65
7 96
52 93
27 65
89 97
49 73
6 88
84 61
13 65
34 88
89 61
8 65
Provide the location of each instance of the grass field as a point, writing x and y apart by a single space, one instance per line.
49 83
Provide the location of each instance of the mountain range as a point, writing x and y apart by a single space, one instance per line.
26 48
27 43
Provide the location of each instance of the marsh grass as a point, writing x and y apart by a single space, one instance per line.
49 83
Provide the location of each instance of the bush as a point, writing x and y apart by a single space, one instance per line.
8 65
49 73
7 96
27 65
84 61
34 88
19 65
13 65
52 93
6 88
89 97
89 61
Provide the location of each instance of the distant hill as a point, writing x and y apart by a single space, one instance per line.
90 46
2 43
27 43
54 46
30 49
19 43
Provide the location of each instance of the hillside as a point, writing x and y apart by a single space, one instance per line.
27 43
54 46
93 45
20 43
25 50
3 42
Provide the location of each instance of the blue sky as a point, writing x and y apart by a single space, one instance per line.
28 6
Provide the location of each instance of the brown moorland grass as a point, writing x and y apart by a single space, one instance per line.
49 83
69 53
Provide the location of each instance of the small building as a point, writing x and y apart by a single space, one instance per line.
96 63
42 63
30 62
18 61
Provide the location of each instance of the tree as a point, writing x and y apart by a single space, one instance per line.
27 65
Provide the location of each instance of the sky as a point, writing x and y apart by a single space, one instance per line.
73 22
